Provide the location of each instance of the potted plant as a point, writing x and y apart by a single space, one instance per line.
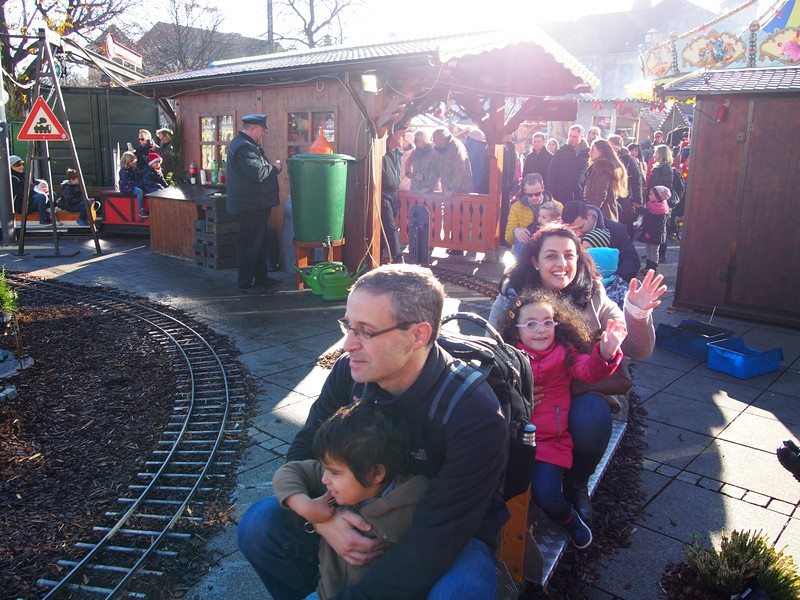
8 298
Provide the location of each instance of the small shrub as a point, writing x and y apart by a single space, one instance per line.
742 556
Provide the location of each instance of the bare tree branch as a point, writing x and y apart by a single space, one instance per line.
312 22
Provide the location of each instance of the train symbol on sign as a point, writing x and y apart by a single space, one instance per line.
42 126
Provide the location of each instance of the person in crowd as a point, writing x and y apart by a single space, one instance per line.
538 161
405 162
523 217
606 181
789 457
145 147
589 224
556 337
510 182
592 134
552 146
165 150
549 212
452 163
391 358
662 173
362 456
72 197
252 193
555 260
629 204
391 166
658 139
654 224
567 173
636 153
130 181
37 201
478 160
421 168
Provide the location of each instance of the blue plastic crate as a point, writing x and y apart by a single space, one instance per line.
733 357
690 338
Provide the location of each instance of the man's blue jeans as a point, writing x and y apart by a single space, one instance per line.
286 558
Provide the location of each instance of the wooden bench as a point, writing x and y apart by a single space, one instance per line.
529 553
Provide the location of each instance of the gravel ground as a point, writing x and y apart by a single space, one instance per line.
87 414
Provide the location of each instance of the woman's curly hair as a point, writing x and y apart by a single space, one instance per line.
572 331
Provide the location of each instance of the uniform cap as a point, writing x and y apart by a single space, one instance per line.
255 120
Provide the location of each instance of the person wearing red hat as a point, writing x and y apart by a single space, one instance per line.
152 177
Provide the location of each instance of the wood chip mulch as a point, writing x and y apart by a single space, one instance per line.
87 414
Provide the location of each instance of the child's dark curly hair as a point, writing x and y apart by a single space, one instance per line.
572 330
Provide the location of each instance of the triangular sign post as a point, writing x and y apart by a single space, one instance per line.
42 125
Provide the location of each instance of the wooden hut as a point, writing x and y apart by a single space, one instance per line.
357 94
741 244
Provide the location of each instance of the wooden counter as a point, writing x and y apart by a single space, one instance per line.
173 212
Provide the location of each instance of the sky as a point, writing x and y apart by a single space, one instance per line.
419 18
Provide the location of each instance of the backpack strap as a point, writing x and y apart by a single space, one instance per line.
461 380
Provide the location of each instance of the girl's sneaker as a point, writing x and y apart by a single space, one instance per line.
578 531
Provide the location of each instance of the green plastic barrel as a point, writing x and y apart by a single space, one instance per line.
318 185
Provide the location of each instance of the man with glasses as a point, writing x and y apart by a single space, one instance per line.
391 358
145 147
523 216
252 192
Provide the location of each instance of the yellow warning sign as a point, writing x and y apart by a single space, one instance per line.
41 125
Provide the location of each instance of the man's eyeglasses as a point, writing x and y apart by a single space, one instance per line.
537 194
533 325
142 139
363 335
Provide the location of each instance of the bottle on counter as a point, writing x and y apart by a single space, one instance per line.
192 173
214 172
223 175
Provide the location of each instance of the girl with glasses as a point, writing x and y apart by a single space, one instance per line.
556 337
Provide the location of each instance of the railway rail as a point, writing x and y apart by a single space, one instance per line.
159 510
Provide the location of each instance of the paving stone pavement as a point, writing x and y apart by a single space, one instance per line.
710 463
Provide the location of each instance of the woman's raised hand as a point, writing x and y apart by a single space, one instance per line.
645 296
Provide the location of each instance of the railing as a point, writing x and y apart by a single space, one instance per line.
458 221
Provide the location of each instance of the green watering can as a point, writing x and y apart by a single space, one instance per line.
336 284
311 275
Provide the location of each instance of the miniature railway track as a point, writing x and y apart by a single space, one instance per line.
196 447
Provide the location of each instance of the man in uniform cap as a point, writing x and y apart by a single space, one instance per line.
252 192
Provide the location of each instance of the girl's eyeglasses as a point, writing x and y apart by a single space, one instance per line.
533 324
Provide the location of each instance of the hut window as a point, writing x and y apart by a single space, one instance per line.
215 133
303 127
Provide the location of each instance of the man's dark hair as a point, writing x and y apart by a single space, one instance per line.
572 210
72 173
363 435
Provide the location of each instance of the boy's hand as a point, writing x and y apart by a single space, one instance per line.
314 510
343 533
612 338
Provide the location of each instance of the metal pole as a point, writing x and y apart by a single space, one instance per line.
6 208
68 128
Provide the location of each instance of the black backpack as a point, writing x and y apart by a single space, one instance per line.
678 187
508 372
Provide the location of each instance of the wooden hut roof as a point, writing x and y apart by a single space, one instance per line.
529 64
